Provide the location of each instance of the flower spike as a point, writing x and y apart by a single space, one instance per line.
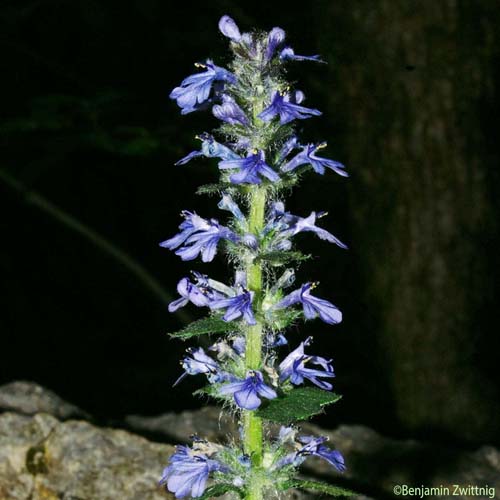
259 156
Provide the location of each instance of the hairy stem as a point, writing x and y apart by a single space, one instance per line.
253 432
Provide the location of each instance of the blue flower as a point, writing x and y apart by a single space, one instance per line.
229 28
308 224
289 225
192 223
274 39
234 351
313 446
251 169
275 340
210 148
205 242
195 89
198 236
287 434
227 203
197 362
230 112
288 146
289 54
188 472
287 108
246 392
313 306
239 345
308 157
293 368
236 307
249 42
250 241
189 292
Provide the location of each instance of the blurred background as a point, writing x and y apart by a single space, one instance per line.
88 190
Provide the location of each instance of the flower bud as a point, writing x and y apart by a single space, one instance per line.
229 28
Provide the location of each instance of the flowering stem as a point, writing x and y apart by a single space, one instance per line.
253 432
256 108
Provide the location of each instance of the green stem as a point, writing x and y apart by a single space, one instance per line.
253 431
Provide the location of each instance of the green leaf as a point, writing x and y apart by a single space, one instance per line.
298 404
335 491
282 258
218 490
204 326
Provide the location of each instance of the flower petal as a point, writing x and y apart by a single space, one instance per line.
247 398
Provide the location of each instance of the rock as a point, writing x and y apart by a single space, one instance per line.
29 398
44 459
209 422
379 463
376 464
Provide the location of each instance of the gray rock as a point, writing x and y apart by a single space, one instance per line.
209 422
29 398
375 463
378 463
44 459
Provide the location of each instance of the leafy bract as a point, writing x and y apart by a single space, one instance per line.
298 404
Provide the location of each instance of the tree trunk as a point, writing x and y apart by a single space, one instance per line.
414 84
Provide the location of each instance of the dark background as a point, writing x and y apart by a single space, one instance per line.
88 189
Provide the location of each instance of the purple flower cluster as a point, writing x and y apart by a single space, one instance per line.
213 88
257 152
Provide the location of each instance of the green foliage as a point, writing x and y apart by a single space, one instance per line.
205 326
218 490
298 404
327 489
